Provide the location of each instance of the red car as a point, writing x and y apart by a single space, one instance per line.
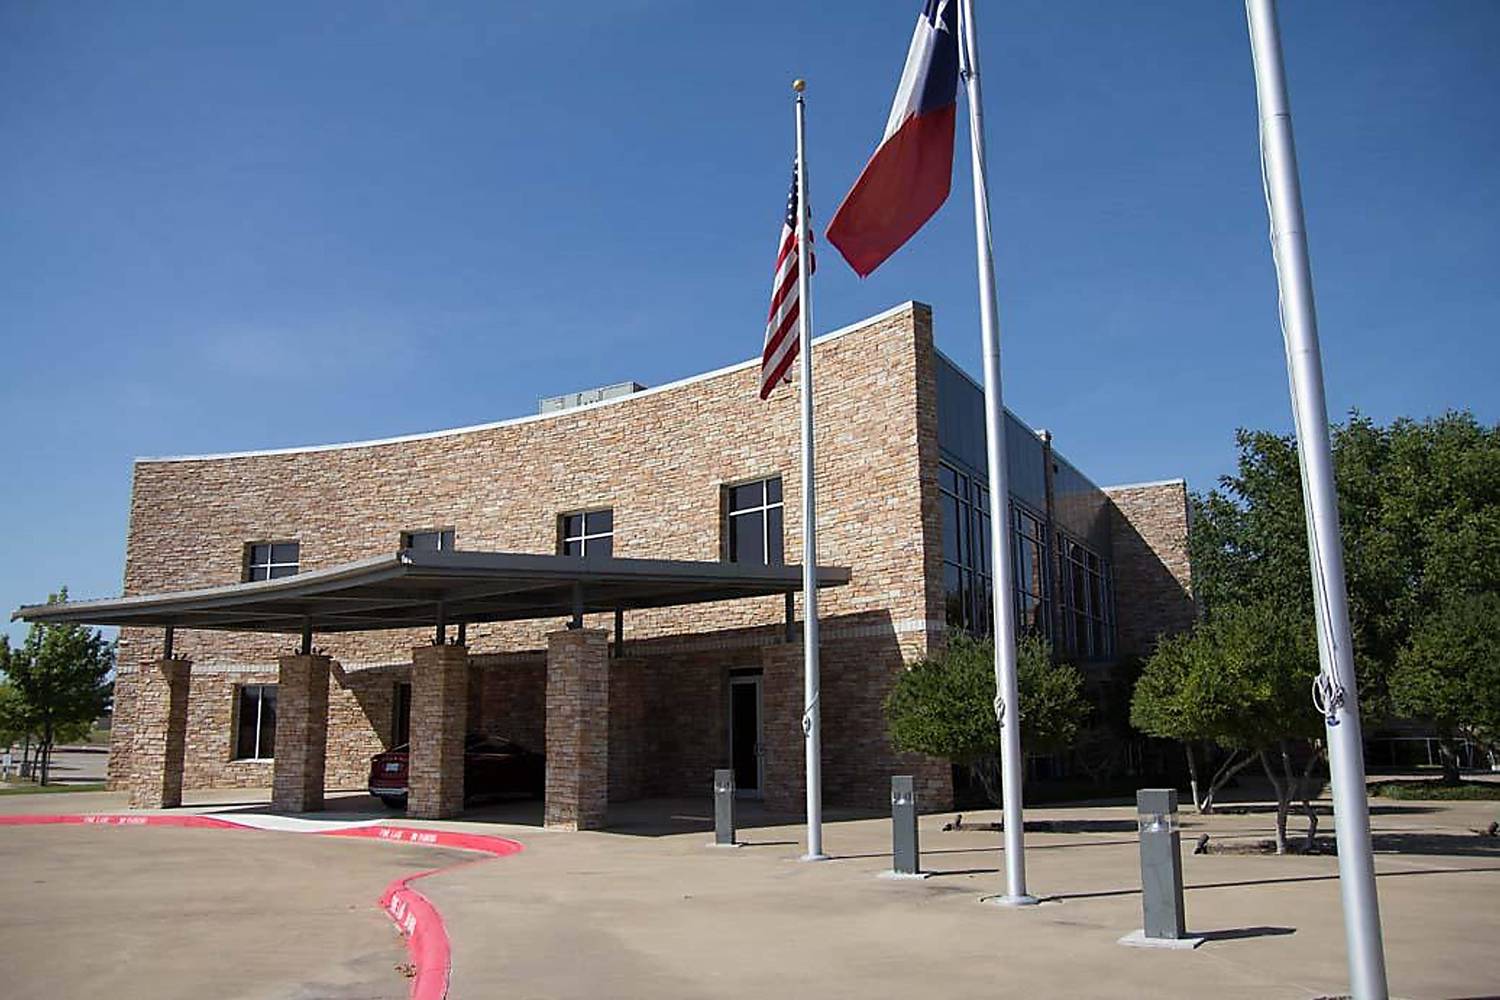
492 766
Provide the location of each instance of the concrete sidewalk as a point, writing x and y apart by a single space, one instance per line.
596 914
648 910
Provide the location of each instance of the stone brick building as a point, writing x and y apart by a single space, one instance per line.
697 470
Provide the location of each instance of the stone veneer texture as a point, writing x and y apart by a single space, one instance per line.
662 461
1153 580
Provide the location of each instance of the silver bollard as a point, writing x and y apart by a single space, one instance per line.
724 808
1165 924
906 858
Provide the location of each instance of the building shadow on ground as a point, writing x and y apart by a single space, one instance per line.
1273 880
637 818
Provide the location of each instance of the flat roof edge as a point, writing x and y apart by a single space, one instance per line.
527 419
1179 481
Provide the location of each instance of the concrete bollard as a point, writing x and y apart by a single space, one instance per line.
724 808
1164 921
906 860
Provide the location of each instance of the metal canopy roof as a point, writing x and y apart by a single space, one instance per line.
414 589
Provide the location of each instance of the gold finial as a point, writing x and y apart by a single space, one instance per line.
799 85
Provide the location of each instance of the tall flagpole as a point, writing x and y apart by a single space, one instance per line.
811 723
1007 698
1336 691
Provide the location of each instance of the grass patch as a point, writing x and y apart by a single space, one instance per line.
1435 790
27 788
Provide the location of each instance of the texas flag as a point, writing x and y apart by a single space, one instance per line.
907 179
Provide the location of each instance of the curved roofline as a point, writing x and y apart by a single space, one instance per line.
529 418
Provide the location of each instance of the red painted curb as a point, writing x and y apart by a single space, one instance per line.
416 919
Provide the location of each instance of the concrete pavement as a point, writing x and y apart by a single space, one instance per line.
166 913
648 910
584 915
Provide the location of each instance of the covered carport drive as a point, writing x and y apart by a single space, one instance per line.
416 589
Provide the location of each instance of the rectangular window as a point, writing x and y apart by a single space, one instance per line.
271 560
255 731
437 540
755 515
1089 616
967 569
589 534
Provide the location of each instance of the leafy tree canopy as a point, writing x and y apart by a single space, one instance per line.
1450 671
944 704
60 676
1241 680
1419 504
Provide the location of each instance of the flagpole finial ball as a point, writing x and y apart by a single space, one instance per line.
799 85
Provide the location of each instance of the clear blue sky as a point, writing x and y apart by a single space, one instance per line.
242 226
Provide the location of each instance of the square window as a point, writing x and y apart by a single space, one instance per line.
271 560
755 532
588 534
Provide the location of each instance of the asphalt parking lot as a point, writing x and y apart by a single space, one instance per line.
93 911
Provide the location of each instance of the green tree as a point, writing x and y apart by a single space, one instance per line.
1419 505
1449 675
14 726
1240 681
943 705
61 675
1176 699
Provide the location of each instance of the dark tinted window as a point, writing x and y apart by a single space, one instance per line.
590 534
271 561
756 523
255 730
440 540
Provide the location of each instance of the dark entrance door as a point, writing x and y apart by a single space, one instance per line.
744 733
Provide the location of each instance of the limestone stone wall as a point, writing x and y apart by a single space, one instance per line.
661 460
1153 578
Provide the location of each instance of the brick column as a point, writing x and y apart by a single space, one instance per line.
577 729
785 758
159 734
439 712
121 757
301 733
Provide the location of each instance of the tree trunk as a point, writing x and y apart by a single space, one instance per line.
1233 764
46 752
1305 793
1192 758
1283 803
988 773
26 756
1448 750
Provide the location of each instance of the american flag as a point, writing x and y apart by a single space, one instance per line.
781 325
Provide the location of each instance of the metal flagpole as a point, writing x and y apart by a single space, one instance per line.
811 727
1007 698
1336 692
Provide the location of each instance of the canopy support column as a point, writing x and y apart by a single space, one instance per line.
577 729
439 714
159 736
301 731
